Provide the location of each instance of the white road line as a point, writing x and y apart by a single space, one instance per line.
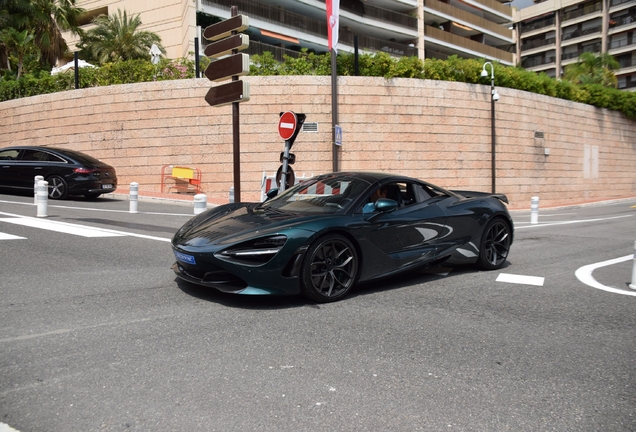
61 227
570 222
5 236
101 210
584 274
520 279
74 228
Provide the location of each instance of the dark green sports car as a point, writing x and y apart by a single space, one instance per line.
326 234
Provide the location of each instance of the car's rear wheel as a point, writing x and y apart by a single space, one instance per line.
495 245
58 189
330 268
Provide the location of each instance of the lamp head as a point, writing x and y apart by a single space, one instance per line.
483 72
495 96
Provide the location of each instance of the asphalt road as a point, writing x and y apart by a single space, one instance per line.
97 334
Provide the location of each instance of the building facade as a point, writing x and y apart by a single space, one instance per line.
423 28
554 33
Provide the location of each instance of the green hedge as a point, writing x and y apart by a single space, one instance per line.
380 64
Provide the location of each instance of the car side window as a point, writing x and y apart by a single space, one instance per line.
423 192
54 158
9 154
34 155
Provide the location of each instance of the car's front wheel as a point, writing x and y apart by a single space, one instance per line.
330 268
495 245
58 189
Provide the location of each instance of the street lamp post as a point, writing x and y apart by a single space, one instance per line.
493 98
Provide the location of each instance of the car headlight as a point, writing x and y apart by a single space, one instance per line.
254 252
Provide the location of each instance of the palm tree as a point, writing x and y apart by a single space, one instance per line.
593 69
117 37
46 20
18 43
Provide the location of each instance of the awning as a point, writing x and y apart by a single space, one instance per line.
279 36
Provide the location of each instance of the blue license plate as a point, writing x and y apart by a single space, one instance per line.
188 259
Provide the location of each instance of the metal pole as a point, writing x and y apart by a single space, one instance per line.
283 176
492 129
196 58
334 109
356 66
236 147
76 64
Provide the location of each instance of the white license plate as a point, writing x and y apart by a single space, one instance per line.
107 186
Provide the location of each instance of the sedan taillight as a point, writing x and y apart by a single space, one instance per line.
86 171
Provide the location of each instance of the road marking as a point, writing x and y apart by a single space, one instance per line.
73 227
569 222
584 274
5 236
101 210
520 279
61 227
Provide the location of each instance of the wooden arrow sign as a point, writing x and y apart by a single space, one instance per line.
225 28
224 94
225 46
236 65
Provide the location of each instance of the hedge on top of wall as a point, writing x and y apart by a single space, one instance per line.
379 64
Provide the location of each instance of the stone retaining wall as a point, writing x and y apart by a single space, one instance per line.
436 130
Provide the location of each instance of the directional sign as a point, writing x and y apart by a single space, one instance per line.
287 125
235 65
225 46
225 28
224 94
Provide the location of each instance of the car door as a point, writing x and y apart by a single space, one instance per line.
405 237
8 162
31 163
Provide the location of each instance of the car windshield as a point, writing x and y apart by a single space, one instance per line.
324 195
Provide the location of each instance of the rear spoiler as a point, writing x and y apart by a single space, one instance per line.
473 194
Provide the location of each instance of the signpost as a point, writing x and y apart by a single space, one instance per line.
289 125
228 41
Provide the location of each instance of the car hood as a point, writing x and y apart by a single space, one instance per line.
232 223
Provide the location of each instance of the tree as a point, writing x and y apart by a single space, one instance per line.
45 20
117 37
18 43
593 69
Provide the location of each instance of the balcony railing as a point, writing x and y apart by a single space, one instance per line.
525 28
583 11
385 15
533 62
618 2
466 43
579 33
472 20
620 43
622 20
537 43
592 48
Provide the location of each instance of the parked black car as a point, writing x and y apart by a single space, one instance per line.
68 172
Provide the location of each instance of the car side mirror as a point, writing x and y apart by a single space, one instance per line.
385 205
272 193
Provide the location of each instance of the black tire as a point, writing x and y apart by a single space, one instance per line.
330 269
495 245
58 189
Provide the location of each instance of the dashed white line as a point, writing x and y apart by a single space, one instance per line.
520 279
5 236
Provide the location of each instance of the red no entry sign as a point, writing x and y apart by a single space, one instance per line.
287 125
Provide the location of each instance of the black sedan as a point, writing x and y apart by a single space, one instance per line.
326 234
68 172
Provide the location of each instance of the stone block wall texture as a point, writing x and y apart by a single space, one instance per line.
435 130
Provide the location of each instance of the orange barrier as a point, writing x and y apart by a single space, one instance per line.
179 179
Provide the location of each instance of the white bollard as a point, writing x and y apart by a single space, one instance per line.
133 197
534 210
231 194
200 203
633 284
43 198
35 188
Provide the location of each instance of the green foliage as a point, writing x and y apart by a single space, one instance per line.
593 69
117 37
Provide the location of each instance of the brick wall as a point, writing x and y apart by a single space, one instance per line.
436 130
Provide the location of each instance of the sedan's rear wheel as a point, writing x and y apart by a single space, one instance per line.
495 245
58 189
330 269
